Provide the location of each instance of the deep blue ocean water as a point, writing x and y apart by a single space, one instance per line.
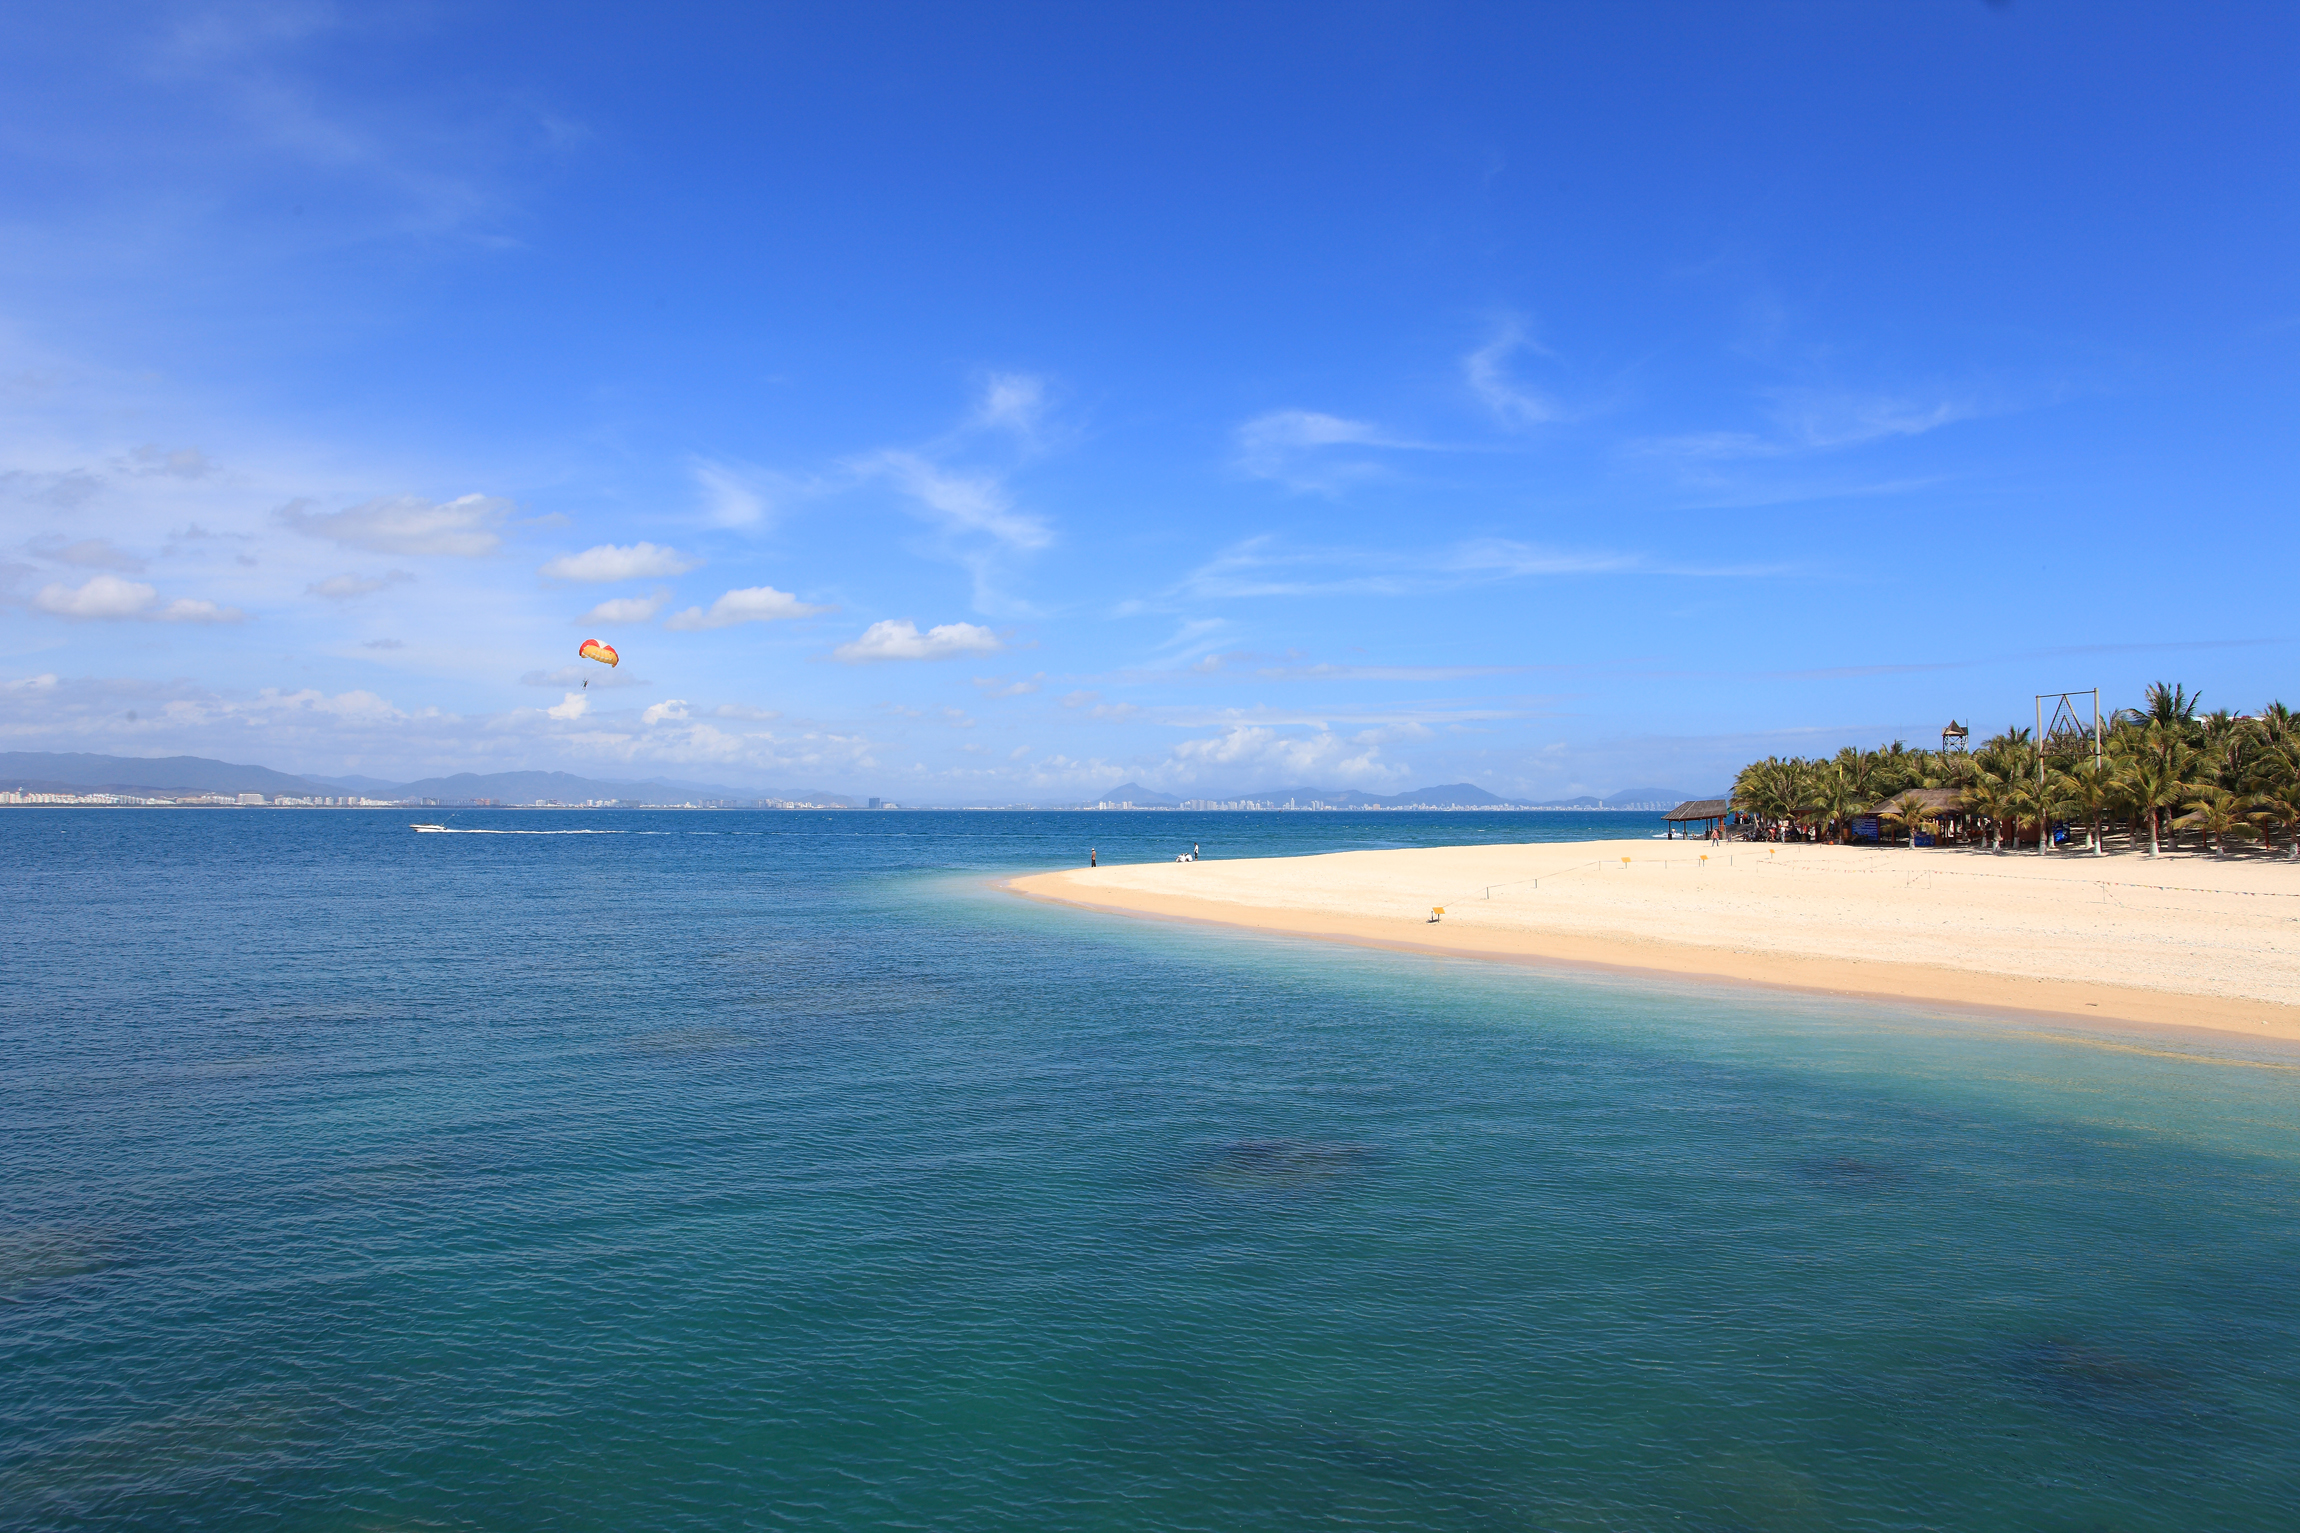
774 1170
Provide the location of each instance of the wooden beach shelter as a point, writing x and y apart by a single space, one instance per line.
1695 810
1944 806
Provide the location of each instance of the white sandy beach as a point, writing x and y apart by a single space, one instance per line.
2183 941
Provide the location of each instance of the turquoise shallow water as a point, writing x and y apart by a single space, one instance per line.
772 1170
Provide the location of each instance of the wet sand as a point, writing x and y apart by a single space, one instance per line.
2179 941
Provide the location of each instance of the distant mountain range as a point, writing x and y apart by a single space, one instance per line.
1459 795
80 772
69 772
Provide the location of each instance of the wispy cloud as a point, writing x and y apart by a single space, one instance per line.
582 671
958 500
2067 651
1012 402
1486 370
1263 566
85 553
345 587
1294 448
176 463
1328 672
408 524
736 494
1808 421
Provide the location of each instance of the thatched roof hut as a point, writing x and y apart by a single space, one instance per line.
1936 801
1700 809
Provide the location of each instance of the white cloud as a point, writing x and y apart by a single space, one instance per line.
673 708
891 639
109 598
345 587
626 609
408 524
573 706
40 683
752 604
610 562
104 596
1295 757
999 686
1079 699
185 609
1490 381
744 711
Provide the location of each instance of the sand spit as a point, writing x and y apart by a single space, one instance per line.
2182 941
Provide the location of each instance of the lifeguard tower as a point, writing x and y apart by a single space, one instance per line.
1953 737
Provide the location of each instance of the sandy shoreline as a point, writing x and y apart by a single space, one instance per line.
2182 942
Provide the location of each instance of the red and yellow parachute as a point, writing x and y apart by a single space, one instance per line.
594 650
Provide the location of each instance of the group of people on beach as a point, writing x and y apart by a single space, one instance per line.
1188 856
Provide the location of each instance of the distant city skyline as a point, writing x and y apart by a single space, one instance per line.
1001 404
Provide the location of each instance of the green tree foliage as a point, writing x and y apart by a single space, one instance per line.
1911 813
2164 769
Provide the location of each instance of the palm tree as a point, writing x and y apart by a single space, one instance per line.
2155 783
2039 800
1834 798
1860 770
2275 783
1768 790
2092 786
2218 813
1985 798
1911 813
2279 808
2167 704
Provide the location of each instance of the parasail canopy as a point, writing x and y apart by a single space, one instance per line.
594 650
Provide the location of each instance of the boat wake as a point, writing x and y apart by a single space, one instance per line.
475 830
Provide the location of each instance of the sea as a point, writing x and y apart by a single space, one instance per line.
778 1170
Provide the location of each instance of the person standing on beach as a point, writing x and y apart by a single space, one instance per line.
1090 856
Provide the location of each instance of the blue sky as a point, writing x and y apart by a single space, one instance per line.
974 404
